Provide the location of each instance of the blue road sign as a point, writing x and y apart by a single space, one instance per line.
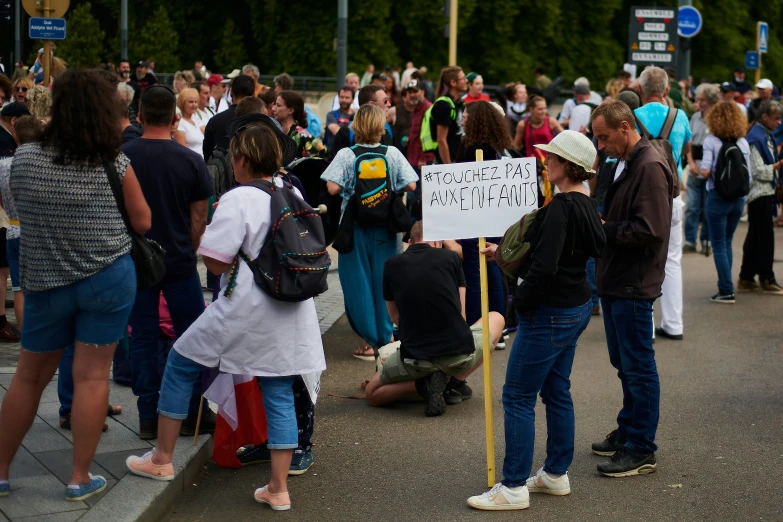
47 28
751 59
689 22
763 37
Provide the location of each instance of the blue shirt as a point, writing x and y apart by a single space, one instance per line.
653 116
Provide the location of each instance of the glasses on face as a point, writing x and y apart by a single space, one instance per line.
386 101
21 89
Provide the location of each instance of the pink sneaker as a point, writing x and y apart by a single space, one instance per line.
144 467
277 501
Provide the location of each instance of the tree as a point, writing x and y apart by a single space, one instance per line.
231 54
84 42
157 40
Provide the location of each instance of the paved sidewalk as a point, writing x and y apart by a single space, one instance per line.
42 466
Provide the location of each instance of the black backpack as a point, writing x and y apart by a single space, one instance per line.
730 174
293 263
221 172
373 191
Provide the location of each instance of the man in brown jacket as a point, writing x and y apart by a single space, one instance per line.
637 221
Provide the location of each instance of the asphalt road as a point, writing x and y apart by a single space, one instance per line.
719 435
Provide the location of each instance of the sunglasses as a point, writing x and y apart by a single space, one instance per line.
21 89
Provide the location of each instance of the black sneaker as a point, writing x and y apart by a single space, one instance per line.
148 429
723 298
254 454
660 332
627 462
436 386
208 420
457 391
608 446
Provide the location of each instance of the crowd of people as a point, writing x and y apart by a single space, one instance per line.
179 166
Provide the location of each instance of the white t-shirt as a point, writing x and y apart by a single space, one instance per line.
250 333
568 106
354 105
742 108
580 117
193 135
620 169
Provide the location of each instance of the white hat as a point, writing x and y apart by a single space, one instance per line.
764 84
574 147
233 74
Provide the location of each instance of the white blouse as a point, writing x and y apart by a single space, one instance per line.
193 136
249 332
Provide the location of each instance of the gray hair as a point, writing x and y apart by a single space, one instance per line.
709 91
653 81
770 108
250 69
126 92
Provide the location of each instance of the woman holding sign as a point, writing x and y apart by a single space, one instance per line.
369 176
554 305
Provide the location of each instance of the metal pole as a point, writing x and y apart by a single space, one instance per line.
684 61
124 30
47 58
342 42
453 33
17 33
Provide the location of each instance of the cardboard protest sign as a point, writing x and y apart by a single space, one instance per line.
482 199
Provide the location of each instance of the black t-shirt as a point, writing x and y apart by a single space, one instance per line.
441 115
7 143
424 282
148 81
216 132
136 95
130 133
171 177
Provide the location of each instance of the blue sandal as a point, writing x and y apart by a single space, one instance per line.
79 492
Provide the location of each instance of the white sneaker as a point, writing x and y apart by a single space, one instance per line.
541 482
501 498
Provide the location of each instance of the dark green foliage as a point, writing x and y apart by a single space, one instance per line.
501 39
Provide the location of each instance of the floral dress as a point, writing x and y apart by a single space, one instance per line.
308 146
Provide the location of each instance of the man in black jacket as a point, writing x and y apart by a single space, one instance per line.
629 275
216 133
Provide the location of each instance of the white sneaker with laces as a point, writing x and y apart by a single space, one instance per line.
501 498
541 482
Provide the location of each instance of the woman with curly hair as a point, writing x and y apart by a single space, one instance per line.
725 122
40 103
78 278
485 129
21 87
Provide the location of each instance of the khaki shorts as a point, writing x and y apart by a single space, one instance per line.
396 370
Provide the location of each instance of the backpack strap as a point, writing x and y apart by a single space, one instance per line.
642 128
350 136
671 115
266 186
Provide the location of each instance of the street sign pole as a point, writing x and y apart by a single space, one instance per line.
124 30
342 43
17 34
453 32
761 49
684 61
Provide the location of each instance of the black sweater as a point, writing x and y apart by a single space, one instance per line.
554 275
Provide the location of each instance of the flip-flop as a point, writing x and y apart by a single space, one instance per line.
361 353
113 410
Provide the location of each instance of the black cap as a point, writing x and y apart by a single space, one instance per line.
630 98
728 87
287 145
739 69
15 110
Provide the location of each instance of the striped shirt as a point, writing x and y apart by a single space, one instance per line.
72 227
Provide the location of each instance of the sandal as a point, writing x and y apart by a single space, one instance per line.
365 353
113 410
65 423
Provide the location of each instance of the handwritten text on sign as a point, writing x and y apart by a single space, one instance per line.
466 200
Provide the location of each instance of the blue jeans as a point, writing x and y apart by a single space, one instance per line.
694 213
629 331
186 303
540 362
590 267
722 218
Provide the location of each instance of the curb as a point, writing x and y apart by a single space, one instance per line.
138 499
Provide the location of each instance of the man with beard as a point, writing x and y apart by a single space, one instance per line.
342 116
143 76
407 125
124 70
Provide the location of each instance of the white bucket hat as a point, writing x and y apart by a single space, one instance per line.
764 84
574 147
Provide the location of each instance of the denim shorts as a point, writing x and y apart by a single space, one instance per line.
177 387
12 256
94 310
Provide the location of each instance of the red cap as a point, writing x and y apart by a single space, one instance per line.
215 79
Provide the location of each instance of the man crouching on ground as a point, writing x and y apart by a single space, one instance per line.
424 289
